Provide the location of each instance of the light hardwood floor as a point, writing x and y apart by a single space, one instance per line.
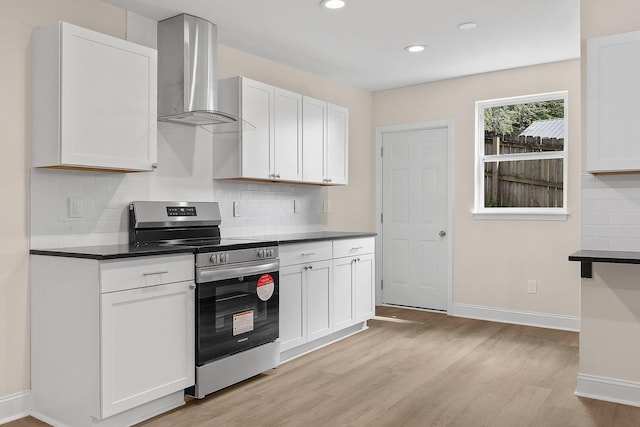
414 368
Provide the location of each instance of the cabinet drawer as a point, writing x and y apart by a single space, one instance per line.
351 247
119 275
298 253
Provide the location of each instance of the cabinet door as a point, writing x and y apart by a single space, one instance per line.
257 109
147 344
364 277
313 139
613 103
318 280
343 293
292 307
286 153
107 100
337 146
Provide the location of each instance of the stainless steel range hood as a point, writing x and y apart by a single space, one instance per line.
188 75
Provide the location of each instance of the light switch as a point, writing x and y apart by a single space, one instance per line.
75 207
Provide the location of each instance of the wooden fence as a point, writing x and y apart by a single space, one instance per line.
523 183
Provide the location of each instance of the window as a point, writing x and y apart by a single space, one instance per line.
521 166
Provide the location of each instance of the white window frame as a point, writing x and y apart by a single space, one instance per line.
482 212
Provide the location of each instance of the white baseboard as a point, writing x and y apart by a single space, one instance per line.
541 320
15 406
608 389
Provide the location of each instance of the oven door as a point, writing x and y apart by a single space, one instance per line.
236 309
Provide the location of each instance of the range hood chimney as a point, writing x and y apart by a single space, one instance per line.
188 74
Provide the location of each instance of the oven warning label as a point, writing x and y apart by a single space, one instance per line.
242 322
266 286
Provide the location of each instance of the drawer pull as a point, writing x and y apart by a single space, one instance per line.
357 248
155 272
308 254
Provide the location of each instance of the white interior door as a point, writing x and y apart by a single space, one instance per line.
415 217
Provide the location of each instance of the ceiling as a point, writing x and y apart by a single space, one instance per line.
363 44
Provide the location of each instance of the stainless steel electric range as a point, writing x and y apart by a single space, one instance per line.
237 290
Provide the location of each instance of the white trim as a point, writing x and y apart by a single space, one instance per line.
528 318
481 158
15 406
561 215
608 389
448 124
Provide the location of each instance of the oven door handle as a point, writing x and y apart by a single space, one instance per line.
204 275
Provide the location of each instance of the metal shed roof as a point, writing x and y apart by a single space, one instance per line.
552 128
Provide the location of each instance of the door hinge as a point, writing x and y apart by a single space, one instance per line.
381 218
381 284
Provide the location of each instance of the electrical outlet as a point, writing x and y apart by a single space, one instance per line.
75 207
326 206
236 208
532 286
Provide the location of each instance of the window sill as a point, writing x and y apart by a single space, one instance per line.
521 215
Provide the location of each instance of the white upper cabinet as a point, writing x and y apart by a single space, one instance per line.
325 142
271 150
294 138
337 151
286 153
613 103
93 101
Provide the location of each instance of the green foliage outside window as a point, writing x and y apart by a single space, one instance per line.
513 119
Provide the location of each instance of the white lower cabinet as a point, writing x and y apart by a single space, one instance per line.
146 337
305 294
325 288
112 341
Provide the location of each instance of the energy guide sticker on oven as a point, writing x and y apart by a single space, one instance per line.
265 287
242 322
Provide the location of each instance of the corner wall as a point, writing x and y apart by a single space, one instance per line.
610 310
492 260
17 20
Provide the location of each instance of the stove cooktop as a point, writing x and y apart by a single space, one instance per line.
217 245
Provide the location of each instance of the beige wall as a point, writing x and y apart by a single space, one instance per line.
17 21
492 260
611 299
352 207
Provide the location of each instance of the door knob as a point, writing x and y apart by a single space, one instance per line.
442 233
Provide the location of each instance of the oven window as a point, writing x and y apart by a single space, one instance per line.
233 315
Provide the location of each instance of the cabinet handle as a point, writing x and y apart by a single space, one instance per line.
155 272
192 286
307 254
357 248
277 176
154 166
310 267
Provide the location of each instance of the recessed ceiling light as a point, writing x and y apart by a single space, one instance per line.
333 4
414 48
467 26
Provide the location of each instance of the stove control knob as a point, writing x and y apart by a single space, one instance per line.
261 253
223 257
270 253
213 259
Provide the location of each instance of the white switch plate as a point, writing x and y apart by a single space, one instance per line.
236 208
75 207
532 286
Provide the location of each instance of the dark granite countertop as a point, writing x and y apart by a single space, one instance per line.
106 252
617 257
313 236
588 257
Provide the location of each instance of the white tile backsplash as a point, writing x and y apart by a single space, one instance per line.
184 173
611 212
